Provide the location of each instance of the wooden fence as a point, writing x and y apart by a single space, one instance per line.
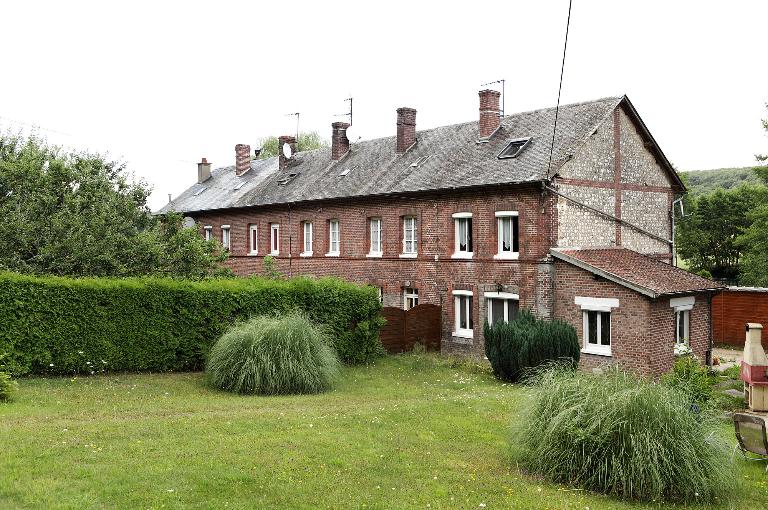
406 327
733 308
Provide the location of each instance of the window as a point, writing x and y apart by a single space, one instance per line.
307 239
462 235
274 238
514 148
462 309
333 238
507 235
375 249
253 237
409 236
381 294
410 298
225 236
596 324
682 328
208 232
501 306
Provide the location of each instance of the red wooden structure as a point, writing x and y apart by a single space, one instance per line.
733 308
406 327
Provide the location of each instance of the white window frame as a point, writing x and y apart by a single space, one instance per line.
333 228
381 294
410 293
600 306
308 236
503 296
208 232
462 298
458 218
500 253
414 241
377 237
226 237
253 232
683 305
274 240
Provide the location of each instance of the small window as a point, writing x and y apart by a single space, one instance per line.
381 294
682 328
375 248
239 185
253 237
462 307
501 307
507 234
274 238
463 235
514 148
409 235
208 232
285 180
345 172
410 298
333 238
225 236
597 332
420 161
197 193
307 238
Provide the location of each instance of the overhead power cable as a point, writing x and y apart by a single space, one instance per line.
560 88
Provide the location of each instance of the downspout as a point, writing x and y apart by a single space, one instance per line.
290 242
708 355
674 230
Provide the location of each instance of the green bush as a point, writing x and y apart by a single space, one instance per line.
624 436
692 379
7 385
272 356
58 326
514 348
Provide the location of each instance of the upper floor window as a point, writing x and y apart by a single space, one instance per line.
462 235
274 238
333 238
410 298
253 238
462 308
208 232
225 236
409 236
596 324
375 248
501 306
307 238
507 235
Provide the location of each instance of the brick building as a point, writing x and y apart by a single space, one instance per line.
481 219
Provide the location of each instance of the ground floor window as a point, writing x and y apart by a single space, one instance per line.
596 324
462 307
410 298
501 307
683 325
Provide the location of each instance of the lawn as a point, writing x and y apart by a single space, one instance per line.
410 432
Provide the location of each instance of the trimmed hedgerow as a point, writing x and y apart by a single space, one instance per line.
515 347
53 325
284 354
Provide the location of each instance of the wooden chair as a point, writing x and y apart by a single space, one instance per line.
752 437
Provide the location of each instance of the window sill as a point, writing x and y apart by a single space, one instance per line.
253 253
408 255
464 333
463 255
332 254
461 339
306 254
596 352
274 253
507 256
375 255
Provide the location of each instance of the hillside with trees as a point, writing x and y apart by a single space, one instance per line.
702 182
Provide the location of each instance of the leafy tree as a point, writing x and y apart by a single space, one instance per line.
306 142
79 214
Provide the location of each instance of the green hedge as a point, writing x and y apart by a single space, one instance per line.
52 325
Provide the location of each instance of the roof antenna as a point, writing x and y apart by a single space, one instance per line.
349 113
503 82
297 114
560 88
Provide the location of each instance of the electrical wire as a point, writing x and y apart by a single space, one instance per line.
560 87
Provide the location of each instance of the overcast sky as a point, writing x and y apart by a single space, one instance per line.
160 85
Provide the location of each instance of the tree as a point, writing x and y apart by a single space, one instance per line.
306 142
79 214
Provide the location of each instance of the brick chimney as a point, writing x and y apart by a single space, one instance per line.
203 171
242 158
489 112
282 140
339 140
406 128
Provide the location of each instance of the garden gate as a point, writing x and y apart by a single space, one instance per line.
406 327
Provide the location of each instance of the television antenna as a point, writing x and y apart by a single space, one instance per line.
503 83
297 114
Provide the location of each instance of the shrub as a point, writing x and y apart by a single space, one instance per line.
624 436
7 385
52 325
515 347
272 356
692 379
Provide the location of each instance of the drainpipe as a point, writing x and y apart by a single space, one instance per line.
708 356
674 228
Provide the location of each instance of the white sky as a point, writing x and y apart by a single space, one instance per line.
161 84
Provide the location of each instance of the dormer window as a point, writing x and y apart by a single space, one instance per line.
514 148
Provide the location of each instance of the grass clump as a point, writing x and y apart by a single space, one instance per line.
285 354
624 436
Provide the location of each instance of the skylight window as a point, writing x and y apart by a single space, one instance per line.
240 185
419 161
514 148
286 180
197 193
345 172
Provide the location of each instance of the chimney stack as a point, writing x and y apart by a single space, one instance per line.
339 140
489 112
406 129
281 141
203 171
242 158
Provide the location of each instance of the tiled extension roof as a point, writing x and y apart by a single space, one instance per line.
633 270
454 160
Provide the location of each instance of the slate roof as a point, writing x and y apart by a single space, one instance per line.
455 159
633 270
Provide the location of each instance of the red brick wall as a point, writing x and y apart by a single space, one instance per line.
731 310
433 273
